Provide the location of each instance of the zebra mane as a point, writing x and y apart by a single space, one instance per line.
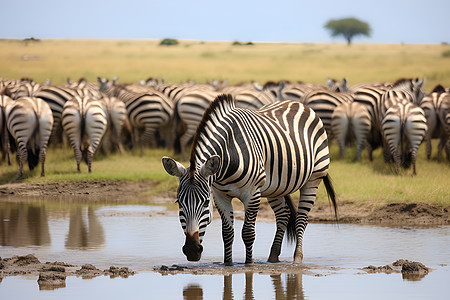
222 100
438 89
402 81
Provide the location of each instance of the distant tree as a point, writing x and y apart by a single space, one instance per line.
348 28
168 42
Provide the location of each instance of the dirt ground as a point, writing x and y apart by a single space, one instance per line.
398 214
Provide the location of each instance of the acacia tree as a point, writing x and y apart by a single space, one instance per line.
348 28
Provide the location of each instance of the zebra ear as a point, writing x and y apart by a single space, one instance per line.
211 166
173 167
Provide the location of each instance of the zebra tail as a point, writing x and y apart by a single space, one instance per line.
33 147
406 157
331 194
291 234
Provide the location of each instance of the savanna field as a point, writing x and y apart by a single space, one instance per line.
132 61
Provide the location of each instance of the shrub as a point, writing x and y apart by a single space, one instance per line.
168 42
446 53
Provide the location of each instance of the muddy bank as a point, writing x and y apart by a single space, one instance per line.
52 275
399 214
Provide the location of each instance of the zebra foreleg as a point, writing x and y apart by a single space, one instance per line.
225 210
248 230
282 218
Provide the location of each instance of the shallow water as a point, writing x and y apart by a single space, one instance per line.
144 236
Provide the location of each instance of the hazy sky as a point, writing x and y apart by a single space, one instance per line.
392 21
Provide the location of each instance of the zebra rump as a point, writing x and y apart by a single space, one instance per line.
405 124
84 122
30 122
351 122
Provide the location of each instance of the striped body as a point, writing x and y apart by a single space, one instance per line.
149 113
116 115
271 152
30 121
188 114
56 97
405 124
351 122
435 105
4 133
323 103
85 123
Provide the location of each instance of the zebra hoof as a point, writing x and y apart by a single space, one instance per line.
273 260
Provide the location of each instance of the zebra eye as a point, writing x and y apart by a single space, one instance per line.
206 204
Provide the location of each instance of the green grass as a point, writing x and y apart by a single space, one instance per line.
358 182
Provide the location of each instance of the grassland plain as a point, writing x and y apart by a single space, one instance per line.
133 60
359 184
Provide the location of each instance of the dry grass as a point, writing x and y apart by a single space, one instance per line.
133 60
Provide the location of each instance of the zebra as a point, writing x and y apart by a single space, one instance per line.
30 122
84 121
337 86
404 123
433 105
56 96
351 121
444 118
5 147
190 108
249 154
323 103
116 114
187 115
370 94
147 112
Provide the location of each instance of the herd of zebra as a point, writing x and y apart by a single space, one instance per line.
107 115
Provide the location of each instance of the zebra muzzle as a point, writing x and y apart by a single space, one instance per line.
192 247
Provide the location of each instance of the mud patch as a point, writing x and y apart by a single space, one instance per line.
52 275
220 269
411 270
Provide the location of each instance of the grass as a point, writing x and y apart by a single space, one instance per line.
358 182
133 60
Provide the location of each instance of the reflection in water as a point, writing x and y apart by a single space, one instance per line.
83 236
193 292
294 286
289 288
23 225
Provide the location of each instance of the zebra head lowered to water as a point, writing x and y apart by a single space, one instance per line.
248 154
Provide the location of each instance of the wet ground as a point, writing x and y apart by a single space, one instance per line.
345 261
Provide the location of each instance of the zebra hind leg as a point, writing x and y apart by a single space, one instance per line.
285 219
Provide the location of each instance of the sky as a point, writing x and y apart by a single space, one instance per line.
391 21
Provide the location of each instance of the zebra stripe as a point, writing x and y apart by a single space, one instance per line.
444 118
323 103
271 152
116 114
189 111
30 121
351 121
5 147
404 123
149 113
84 121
